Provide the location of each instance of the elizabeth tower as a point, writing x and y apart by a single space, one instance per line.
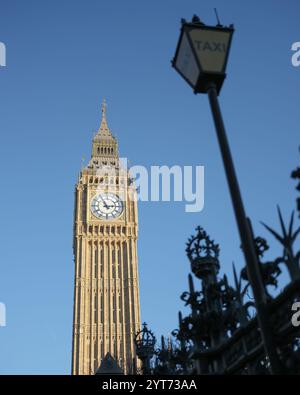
106 294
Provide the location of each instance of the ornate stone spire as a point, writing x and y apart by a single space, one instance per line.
105 145
104 132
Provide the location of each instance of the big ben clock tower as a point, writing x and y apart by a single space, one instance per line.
106 293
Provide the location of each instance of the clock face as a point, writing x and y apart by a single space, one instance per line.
107 206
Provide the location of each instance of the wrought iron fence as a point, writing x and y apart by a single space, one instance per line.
221 335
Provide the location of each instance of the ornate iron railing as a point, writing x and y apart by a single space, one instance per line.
221 335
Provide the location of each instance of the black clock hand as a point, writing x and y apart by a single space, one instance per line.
105 204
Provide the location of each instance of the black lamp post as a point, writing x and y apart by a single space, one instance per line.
202 53
201 57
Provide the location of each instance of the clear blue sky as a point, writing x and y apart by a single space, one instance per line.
63 57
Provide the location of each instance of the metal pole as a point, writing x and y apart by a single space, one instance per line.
245 236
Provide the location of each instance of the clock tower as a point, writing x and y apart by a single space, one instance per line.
106 291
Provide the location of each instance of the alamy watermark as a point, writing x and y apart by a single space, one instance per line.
2 314
295 59
156 183
176 183
2 54
296 315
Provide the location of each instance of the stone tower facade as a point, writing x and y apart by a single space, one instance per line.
106 290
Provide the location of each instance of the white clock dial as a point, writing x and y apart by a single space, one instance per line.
107 206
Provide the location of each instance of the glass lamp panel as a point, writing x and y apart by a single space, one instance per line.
211 47
186 63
